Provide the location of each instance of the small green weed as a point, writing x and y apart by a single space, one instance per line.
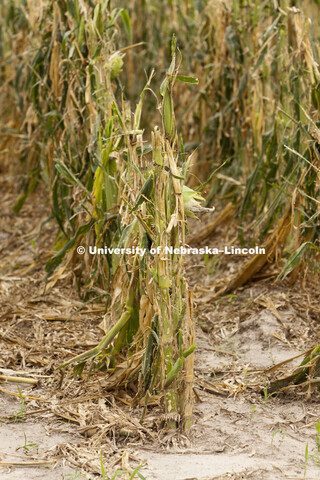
231 298
252 411
266 394
212 264
18 415
283 436
306 458
74 476
318 436
28 446
132 473
316 457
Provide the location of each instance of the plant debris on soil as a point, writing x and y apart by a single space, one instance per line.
55 425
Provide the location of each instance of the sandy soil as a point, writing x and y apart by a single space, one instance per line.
240 430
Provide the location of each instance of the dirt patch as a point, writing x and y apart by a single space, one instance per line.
30 442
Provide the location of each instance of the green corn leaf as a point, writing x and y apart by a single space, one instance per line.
126 22
187 79
295 259
177 366
173 55
261 58
164 86
125 234
81 34
168 115
147 148
173 372
271 27
145 192
20 202
117 113
66 173
98 19
55 261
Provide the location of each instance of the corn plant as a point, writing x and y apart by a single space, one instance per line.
156 313
108 187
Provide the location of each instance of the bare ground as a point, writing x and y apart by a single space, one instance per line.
240 430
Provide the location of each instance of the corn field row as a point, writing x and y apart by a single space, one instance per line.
116 110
